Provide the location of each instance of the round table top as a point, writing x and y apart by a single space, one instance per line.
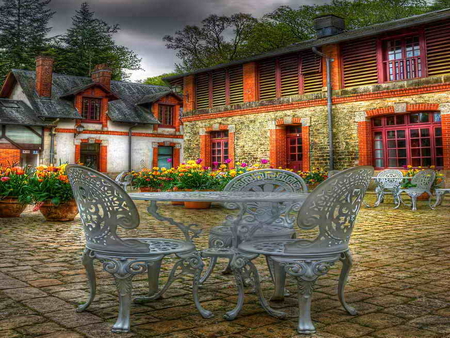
220 196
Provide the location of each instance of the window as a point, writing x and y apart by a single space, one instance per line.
412 139
219 146
165 114
164 154
294 150
403 58
91 109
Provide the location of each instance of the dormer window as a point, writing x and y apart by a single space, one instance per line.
91 109
165 115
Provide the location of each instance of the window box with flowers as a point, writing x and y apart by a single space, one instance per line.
50 191
13 191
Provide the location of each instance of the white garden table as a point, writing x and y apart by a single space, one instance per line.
440 196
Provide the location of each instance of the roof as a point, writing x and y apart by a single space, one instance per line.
123 109
151 98
70 94
345 36
19 113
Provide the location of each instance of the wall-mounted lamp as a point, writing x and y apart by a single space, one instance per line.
79 129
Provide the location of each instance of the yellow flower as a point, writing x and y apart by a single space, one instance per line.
163 169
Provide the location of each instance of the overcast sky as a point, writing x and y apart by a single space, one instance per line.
145 22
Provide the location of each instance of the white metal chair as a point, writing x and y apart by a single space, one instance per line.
388 182
331 211
421 183
104 206
124 179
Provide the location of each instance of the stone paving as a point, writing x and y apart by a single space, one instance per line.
400 283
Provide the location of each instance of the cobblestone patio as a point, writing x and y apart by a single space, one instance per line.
400 283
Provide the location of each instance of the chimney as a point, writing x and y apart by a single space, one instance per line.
44 75
328 25
102 74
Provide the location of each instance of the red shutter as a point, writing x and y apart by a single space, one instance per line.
359 61
202 90
289 73
236 83
311 72
218 87
437 38
177 84
267 79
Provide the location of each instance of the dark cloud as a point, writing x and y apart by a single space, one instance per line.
144 22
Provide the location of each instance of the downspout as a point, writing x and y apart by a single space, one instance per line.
130 134
328 61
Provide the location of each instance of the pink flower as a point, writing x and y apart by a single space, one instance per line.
215 164
169 160
199 160
243 164
228 160
264 161
5 179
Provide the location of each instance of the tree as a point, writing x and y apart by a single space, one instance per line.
158 80
219 39
89 42
440 4
23 33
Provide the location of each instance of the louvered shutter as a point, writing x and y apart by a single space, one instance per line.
267 79
289 74
311 72
236 83
202 90
437 38
218 87
177 84
359 59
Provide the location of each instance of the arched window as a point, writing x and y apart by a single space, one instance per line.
409 139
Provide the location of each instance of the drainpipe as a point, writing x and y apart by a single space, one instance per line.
328 61
52 142
130 134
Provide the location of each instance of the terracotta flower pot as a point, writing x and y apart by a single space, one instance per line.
174 202
63 212
10 207
197 205
423 197
148 189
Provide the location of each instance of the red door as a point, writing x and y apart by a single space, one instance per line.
219 147
294 147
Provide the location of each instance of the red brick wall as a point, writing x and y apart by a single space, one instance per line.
102 74
250 82
306 146
189 93
365 143
9 157
333 51
44 75
446 140
103 167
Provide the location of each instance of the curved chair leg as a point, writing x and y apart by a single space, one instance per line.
209 270
399 201
88 262
154 269
347 262
279 277
231 315
124 287
228 270
193 264
380 199
305 289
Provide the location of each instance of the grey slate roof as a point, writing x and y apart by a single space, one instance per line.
415 20
18 112
124 109
151 98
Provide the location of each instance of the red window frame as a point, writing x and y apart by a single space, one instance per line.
166 115
409 139
294 147
219 146
91 109
406 63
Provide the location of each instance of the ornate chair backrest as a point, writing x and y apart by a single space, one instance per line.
332 209
119 178
389 179
424 179
333 172
103 205
266 180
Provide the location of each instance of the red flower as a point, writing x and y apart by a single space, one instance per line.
5 179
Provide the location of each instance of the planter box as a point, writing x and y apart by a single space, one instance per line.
11 207
63 212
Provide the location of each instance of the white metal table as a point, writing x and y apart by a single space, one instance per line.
440 196
278 202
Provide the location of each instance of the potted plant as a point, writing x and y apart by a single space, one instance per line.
169 182
411 172
192 176
148 180
313 178
13 191
51 192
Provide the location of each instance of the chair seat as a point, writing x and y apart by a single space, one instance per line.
270 231
277 248
156 246
413 190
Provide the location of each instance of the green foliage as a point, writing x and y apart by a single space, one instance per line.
88 42
49 184
14 183
158 80
23 33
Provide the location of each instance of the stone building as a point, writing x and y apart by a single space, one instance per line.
389 99
48 118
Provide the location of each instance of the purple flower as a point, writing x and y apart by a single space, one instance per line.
199 160
215 164
228 160
169 160
264 161
405 167
243 164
